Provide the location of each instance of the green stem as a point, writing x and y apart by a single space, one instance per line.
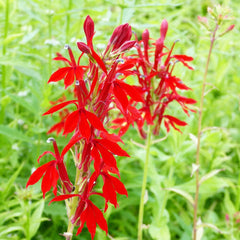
4 50
68 20
144 183
197 186
50 38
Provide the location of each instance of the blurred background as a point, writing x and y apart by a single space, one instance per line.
32 32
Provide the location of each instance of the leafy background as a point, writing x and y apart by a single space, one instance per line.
33 31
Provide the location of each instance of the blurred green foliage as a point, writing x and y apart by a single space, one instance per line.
33 31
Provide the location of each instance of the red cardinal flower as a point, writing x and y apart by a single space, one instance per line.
50 177
70 73
92 216
51 172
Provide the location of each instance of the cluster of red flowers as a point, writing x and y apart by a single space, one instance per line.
99 88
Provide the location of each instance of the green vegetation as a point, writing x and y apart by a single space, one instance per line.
33 32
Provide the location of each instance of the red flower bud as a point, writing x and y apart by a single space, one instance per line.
89 29
83 47
127 45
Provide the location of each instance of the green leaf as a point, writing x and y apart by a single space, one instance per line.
182 193
209 175
36 219
162 232
26 104
11 228
11 37
11 181
13 133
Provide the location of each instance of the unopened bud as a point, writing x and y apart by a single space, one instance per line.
83 47
127 45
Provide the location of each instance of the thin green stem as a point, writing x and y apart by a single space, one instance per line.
213 38
4 50
68 19
144 183
50 38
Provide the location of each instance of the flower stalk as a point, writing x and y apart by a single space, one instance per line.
197 184
218 16
144 182
4 50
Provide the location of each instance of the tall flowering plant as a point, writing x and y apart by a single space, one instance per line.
99 88
154 67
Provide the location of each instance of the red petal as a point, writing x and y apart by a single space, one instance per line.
37 174
59 74
64 176
50 179
111 137
94 82
91 219
97 159
79 73
107 157
121 96
71 122
95 121
100 218
183 57
58 107
118 185
69 79
132 91
75 138
63 197
84 127
99 61
56 127
47 152
113 147
61 58
175 120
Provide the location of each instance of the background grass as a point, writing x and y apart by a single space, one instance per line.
33 31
